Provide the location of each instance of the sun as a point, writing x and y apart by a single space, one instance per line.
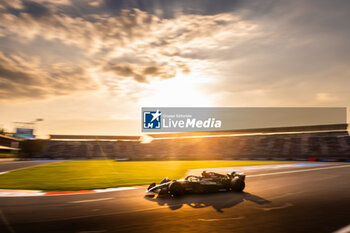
182 91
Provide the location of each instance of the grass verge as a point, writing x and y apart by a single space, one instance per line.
84 175
7 155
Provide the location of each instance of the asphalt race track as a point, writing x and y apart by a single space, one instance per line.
292 200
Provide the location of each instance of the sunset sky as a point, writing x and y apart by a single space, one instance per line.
87 67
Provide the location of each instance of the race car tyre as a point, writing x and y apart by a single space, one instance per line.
151 186
237 184
176 189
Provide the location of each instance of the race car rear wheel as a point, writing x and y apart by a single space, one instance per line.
237 184
165 180
176 189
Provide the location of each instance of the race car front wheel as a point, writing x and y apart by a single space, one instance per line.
151 186
176 189
237 184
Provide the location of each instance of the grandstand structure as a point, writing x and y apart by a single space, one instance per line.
303 142
8 144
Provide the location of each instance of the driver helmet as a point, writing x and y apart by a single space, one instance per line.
205 174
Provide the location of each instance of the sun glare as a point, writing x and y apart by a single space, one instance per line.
181 91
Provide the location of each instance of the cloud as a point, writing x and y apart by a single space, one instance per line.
95 33
261 49
91 32
132 44
28 78
326 97
55 2
95 3
162 52
140 73
35 9
170 9
285 62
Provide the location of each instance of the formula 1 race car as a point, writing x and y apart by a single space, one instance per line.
208 182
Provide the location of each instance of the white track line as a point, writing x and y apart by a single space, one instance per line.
296 171
16 169
220 219
113 189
